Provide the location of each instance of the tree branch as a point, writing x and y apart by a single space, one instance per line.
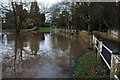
4 8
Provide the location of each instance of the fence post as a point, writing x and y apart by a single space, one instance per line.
115 64
90 39
72 30
93 39
99 48
95 44
68 30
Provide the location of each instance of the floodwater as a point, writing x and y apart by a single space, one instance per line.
39 55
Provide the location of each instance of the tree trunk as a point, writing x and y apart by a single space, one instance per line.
15 18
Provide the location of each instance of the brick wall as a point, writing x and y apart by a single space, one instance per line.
113 34
110 34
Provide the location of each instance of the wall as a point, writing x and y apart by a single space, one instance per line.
84 34
110 34
113 34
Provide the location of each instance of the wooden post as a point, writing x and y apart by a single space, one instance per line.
99 49
93 39
75 31
64 30
67 30
72 31
95 42
115 64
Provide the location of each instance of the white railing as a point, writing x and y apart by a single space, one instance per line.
115 58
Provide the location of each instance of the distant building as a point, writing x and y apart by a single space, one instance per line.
25 19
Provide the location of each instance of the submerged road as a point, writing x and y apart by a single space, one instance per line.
41 55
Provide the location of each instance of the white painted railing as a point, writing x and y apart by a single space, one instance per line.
115 58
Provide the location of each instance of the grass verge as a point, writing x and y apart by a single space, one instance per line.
88 66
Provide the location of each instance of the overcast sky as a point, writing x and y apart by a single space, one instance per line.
49 2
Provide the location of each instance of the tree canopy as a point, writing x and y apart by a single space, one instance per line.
88 15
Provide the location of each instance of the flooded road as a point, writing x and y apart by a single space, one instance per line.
40 55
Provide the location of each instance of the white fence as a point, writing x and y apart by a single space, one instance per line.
115 58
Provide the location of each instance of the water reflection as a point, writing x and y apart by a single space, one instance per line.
39 55
4 40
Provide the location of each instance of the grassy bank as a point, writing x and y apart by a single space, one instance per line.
44 29
57 31
88 66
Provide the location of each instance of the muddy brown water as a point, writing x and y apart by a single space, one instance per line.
40 55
